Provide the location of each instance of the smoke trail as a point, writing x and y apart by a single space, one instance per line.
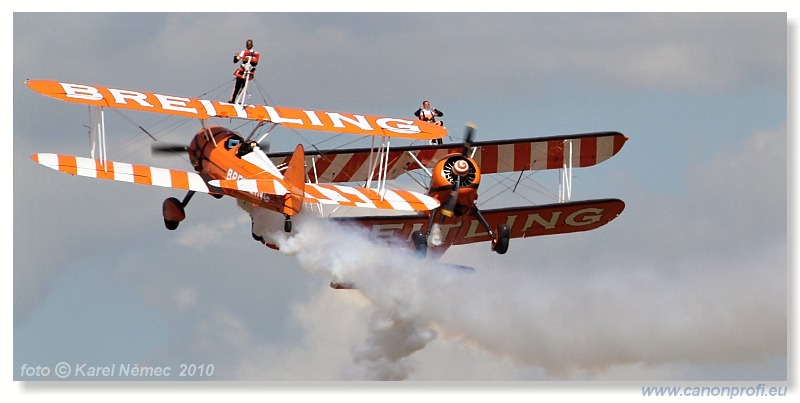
391 339
689 282
396 329
571 322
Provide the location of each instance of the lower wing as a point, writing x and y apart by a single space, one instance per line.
528 221
124 172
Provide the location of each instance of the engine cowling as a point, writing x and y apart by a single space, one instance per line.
455 181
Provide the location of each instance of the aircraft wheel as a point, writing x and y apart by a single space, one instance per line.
287 225
420 243
503 235
256 237
173 212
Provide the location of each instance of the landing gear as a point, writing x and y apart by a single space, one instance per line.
500 244
499 238
258 238
171 225
420 240
287 225
174 211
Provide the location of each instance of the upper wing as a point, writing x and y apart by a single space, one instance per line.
492 156
542 153
295 118
551 219
400 200
120 171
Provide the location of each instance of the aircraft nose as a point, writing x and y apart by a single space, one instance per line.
461 167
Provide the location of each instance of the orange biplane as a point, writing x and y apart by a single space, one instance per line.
228 164
455 173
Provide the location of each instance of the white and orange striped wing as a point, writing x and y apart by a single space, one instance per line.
388 199
400 200
584 150
530 154
271 186
123 172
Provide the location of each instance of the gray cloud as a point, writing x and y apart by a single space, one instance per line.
687 284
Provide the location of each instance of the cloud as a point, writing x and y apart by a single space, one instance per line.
684 285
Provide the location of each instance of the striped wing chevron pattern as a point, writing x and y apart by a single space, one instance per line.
492 156
388 199
314 193
123 172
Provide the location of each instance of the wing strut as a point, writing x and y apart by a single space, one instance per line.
317 206
420 164
379 160
382 174
207 132
565 182
97 134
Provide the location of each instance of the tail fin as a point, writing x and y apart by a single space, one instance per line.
294 176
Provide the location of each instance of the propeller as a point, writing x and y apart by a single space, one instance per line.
459 171
469 132
449 207
165 148
170 149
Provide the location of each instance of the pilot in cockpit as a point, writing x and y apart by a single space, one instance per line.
246 148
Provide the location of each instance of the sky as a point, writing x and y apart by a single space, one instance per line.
690 283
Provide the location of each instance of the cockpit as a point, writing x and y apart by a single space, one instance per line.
228 138
232 141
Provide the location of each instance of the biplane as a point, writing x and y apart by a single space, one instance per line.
455 174
227 163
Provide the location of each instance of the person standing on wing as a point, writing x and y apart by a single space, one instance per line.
246 70
428 114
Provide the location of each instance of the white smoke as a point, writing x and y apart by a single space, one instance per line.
675 283
572 324
384 273
391 339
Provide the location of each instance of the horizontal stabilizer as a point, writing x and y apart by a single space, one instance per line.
400 200
349 285
269 186
124 172
388 199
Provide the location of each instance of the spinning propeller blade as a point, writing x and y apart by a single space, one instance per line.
469 133
163 148
449 206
